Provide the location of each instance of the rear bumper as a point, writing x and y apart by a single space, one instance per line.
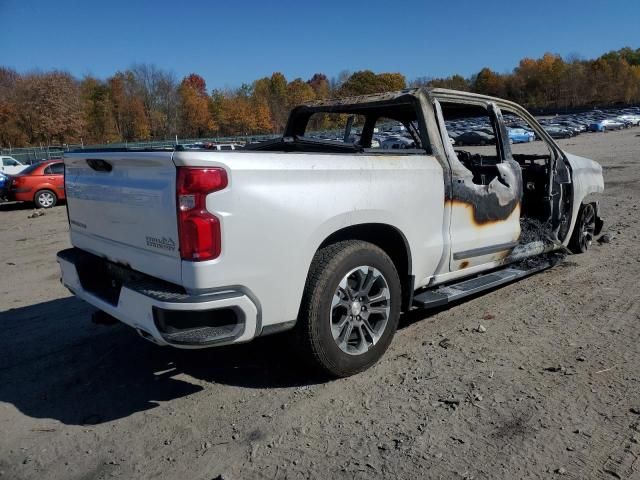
160 312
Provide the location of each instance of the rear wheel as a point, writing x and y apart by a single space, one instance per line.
45 199
584 229
350 307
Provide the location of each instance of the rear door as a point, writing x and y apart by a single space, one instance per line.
122 206
55 176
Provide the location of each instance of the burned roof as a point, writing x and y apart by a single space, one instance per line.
363 99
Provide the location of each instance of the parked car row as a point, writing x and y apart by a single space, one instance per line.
566 126
478 131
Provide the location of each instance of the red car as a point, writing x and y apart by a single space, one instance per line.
40 183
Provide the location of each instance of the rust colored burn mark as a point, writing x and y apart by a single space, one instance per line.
474 218
504 254
464 264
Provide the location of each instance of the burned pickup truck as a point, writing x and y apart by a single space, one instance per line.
329 238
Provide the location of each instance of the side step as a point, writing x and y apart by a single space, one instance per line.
445 294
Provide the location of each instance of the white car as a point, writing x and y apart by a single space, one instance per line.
397 143
633 119
11 166
330 240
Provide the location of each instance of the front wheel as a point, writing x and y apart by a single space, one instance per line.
584 230
45 199
350 307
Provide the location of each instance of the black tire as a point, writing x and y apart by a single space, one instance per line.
45 199
315 327
584 229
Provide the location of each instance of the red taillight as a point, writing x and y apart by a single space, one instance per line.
198 229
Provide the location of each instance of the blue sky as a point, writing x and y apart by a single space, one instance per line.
229 43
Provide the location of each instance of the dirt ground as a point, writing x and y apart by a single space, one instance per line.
551 389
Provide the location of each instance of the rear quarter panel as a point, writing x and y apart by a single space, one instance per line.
279 208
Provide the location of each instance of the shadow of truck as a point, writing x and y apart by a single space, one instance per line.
55 363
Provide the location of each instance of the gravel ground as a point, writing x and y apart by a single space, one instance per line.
551 388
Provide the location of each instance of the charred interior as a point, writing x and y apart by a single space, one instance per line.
489 148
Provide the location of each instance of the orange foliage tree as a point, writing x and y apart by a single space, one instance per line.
145 102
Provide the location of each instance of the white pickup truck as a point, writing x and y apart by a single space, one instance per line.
329 239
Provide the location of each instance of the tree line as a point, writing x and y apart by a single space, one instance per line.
145 102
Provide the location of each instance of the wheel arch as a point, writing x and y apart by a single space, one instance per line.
587 183
388 238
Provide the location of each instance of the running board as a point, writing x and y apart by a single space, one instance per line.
446 294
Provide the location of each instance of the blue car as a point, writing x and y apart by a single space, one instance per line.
4 185
597 127
521 135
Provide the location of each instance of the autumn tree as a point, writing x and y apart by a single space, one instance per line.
320 84
48 107
99 124
197 83
129 113
11 133
238 116
158 91
146 102
299 92
488 82
366 82
196 119
278 100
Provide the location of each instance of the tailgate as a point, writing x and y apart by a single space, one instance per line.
122 206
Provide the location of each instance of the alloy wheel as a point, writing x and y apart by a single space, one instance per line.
46 199
360 310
